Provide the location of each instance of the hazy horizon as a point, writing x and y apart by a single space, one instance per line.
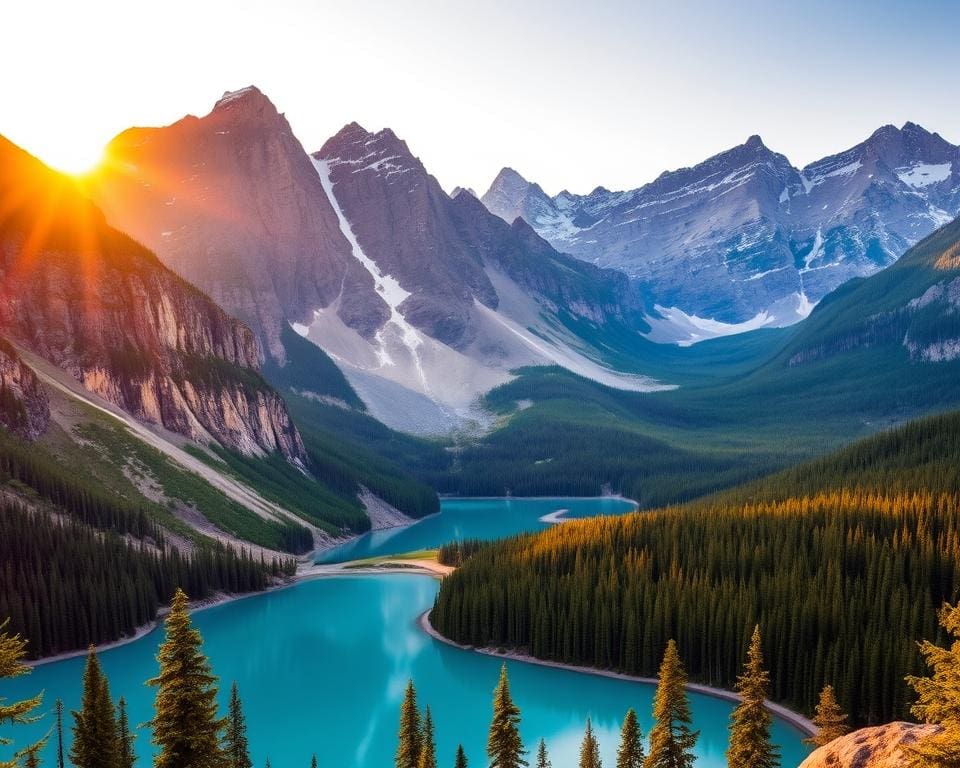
571 97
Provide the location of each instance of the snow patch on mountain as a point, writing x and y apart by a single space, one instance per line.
674 326
387 287
922 175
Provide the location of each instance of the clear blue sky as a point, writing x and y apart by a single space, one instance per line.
571 94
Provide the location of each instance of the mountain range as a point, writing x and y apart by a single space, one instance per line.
423 300
745 239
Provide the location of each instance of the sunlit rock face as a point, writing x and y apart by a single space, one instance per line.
745 236
24 407
880 747
231 202
98 304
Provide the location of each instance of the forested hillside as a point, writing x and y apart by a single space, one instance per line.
842 562
876 352
81 564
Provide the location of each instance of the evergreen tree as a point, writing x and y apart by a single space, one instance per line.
95 725
630 751
504 747
938 699
461 759
185 724
59 710
671 740
589 749
830 720
235 747
408 748
543 760
125 737
313 762
750 743
13 648
428 745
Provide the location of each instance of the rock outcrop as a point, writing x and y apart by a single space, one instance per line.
98 304
880 747
24 406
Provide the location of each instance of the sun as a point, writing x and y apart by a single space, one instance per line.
76 160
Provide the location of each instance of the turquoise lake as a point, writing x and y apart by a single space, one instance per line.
322 665
471 519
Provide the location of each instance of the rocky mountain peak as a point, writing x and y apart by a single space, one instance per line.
246 106
364 150
911 143
510 195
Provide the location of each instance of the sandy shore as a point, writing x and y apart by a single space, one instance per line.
795 719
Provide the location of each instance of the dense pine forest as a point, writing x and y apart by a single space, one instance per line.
65 586
843 563
81 564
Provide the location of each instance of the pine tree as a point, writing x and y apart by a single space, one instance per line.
671 740
313 762
543 760
938 699
504 747
235 747
428 744
13 649
589 749
750 743
630 751
461 759
830 720
125 737
185 724
95 725
59 710
408 748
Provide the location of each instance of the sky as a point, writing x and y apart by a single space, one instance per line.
573 95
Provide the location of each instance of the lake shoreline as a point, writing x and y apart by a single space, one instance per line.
308 569
795 719
420 568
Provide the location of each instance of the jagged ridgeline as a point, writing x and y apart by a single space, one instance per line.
843 562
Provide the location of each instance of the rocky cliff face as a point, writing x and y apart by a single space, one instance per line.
880 747
101 306
470 297
745 236
232 203
24 407
399 215
440 249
